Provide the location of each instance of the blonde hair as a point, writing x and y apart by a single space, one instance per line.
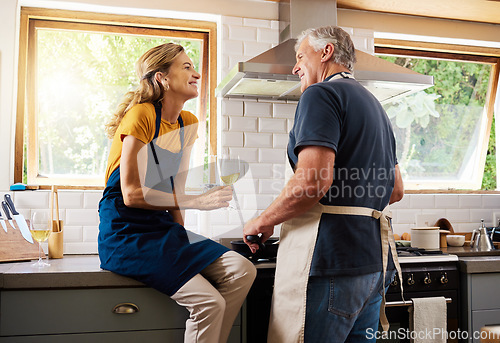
344 52
157 59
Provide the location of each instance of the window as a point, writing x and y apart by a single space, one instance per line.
74 69
442 133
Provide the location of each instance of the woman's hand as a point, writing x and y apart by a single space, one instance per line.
215 198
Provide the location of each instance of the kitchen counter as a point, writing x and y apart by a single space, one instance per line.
479 264
467 251
72 271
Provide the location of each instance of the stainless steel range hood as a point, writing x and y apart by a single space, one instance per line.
269 75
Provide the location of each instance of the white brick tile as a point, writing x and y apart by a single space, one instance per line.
275 24
284 110
257 201
349 30
234 139
191 218
465 227
90 233
255 48
246 154
280 141
401 228
27 213
243 33
267 35
403 203
225 32
360 43
82 217
446 201
279 171
70 199
80 248
30 199
242 124
224 123
260 170
272 125
228 20
258 140
232 107
234 217
289 124
477 214
91 199
232 47
407 216
258 109
73 234
270 186
246 186
422 201
491 201
470 201
363 32
234 59
457 215
256 22
272 156
218 217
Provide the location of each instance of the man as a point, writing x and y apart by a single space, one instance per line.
335 241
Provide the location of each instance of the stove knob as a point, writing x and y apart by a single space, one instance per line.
410 280
427 279
394 281
444 278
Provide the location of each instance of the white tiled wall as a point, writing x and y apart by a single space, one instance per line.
257 132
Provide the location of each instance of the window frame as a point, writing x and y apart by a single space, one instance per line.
33 18
452 52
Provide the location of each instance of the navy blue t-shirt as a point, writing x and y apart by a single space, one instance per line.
341 114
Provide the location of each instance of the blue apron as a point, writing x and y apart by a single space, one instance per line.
147 245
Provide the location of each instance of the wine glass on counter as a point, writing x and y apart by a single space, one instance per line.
40 230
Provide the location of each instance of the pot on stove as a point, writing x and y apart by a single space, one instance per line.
425 237
267 251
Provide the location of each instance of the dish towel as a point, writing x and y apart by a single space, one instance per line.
428 320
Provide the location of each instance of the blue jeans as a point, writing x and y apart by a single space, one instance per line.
343 308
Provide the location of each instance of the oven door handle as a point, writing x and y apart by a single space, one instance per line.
407 303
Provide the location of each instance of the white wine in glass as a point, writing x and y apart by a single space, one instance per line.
40 229
229 171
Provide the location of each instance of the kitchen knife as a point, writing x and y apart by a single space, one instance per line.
7 214
2 221
21 222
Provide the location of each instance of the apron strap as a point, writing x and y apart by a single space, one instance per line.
152 144
387 240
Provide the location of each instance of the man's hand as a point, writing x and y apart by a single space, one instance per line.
253 228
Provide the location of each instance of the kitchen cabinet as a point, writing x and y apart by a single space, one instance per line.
480 282
64 310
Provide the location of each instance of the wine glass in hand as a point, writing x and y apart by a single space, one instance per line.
229 171
40 230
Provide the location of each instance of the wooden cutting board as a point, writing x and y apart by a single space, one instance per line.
13 246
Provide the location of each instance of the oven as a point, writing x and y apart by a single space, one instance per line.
422 277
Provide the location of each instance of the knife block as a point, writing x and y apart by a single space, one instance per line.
13 246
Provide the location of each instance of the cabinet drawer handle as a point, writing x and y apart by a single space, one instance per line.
126 308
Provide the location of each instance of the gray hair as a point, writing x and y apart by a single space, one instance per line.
343 54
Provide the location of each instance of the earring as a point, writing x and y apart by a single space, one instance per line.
167 86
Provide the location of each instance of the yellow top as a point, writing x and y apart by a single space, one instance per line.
140 122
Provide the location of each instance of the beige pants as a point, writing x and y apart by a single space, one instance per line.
214 298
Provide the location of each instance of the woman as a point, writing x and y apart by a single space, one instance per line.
141 233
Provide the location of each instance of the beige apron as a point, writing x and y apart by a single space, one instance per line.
297 242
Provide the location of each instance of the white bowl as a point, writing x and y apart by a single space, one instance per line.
455 240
